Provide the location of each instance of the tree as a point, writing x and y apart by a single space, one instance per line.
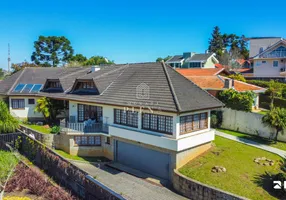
8 124
163 59
50 108
275 118
217 42
274 90
2 74
238 77
97 60
78 58
52 51
17 67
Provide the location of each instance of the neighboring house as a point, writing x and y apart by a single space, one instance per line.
134 114
193 60
268 57
214 83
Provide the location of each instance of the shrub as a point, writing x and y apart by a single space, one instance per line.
55 129
264 84
237 100
238 77
216 119
8 124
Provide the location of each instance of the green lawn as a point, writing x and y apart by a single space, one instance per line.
243 176
7 162
80 158
278 145
38 128
263 112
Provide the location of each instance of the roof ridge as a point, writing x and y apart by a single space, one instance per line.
107 73
16 81
74 72
176 101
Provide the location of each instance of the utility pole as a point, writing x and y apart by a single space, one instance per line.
9 59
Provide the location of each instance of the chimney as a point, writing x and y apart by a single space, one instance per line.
95 68
188 54
207 51
227 83
232 84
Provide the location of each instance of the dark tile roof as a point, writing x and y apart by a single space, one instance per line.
199 57
176 58
117 85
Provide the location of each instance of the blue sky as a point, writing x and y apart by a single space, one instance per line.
133 31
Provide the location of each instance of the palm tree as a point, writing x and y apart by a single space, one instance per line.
275 118
8 124
274 90
50 108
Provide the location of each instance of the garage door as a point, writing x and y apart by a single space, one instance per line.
149 161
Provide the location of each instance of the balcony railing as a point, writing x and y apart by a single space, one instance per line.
84 128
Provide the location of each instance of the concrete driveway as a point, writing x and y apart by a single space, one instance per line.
130 187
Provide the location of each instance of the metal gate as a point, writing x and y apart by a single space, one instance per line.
146 160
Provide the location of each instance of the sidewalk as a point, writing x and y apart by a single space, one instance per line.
252 143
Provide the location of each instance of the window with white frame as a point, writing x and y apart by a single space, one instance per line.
275 63
18 103
190 123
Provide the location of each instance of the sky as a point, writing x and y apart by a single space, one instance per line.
133 31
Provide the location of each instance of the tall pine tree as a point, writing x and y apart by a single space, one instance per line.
216 43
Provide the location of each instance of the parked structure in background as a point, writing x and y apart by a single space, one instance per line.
216 82
193 60
268 58
134 114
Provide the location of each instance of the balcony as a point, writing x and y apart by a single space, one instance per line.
84 128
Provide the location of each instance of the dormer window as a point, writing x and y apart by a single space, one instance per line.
53 86
84 87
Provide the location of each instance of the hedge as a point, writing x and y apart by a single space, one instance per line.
237 100
264 102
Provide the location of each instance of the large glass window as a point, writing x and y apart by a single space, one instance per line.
18 103
86 112
158 123
126 117
194 64
194 122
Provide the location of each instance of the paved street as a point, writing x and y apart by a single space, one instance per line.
130 187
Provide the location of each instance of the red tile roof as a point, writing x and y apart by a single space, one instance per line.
201 72
217 83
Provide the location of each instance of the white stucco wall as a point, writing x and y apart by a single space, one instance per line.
108 115
267 69
209 63
247 122
28 111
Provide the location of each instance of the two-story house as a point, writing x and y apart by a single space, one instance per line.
145 115
193 60
268 57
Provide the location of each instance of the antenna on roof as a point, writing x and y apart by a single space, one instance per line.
9 59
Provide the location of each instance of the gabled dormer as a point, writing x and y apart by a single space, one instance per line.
84 86
53 85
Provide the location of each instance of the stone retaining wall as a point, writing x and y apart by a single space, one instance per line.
195 190
47 139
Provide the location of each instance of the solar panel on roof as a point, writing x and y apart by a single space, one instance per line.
19 87
36 88
27 88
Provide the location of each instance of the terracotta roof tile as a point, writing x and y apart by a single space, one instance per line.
200 72
217 83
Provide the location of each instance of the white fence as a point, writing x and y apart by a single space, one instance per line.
247 122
